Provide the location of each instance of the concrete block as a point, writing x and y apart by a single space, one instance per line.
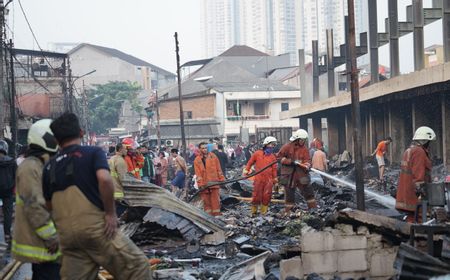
353 275
352 261
345 229
316 241
374 241
291 267
320 263
216 238
382 263
362 230
351 242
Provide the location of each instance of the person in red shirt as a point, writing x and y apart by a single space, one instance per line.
295 165
208 171
415 172
264 181
379 153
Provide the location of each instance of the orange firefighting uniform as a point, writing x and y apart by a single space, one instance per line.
293 176
415 170
208 171
262 186
134 164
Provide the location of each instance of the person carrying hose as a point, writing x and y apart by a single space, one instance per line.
295 165
262 186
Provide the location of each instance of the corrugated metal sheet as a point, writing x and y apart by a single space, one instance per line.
141 194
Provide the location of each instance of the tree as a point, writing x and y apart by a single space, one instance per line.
105 102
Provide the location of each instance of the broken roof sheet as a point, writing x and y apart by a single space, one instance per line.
141 194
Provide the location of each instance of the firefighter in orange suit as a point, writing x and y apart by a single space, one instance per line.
264 181
295 165
207 169
415 171
35 238
134 160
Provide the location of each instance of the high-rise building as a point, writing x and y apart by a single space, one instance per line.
267 25
276 26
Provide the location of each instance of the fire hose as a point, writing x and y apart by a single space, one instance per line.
385 200
213 184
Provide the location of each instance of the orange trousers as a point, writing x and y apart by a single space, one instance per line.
211 200
262 191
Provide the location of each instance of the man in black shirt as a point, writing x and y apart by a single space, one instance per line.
223 158
79 189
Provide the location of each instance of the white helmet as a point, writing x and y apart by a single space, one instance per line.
299 134
268 140
41 135
424 133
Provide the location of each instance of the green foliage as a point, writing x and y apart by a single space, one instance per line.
105 102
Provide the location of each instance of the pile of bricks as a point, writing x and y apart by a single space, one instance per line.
342 252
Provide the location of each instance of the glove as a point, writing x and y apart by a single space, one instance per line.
305 166
244 172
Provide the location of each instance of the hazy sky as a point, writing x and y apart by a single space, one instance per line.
145 28
142 28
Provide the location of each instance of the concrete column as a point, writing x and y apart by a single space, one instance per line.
348 61
446 30
445 105
303 123
400 123
301 65
330 63
317 127
373 41
336 134
393 38
418 22
349 132
315 65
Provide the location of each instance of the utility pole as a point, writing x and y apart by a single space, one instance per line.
158 128
70 87
356 114
85 114
2 84
13 119
180 99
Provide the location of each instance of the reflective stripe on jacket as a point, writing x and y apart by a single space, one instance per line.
118 169
33 224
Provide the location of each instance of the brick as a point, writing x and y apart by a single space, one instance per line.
317 241
291 267
201 107
374 241
216 238
352 242
353 275
320 263
382 263
352 261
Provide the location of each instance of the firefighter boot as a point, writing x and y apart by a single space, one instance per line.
254 210
264 209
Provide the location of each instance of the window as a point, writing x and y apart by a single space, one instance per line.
233 108
188 115
259 109
284 107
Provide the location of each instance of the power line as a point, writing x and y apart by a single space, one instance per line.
34 36
31 75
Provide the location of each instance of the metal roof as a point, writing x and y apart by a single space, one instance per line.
123 56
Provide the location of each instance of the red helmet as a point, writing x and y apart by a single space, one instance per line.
128 143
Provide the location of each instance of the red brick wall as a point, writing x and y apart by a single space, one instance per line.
201 107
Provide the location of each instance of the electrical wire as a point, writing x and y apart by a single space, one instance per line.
34 36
